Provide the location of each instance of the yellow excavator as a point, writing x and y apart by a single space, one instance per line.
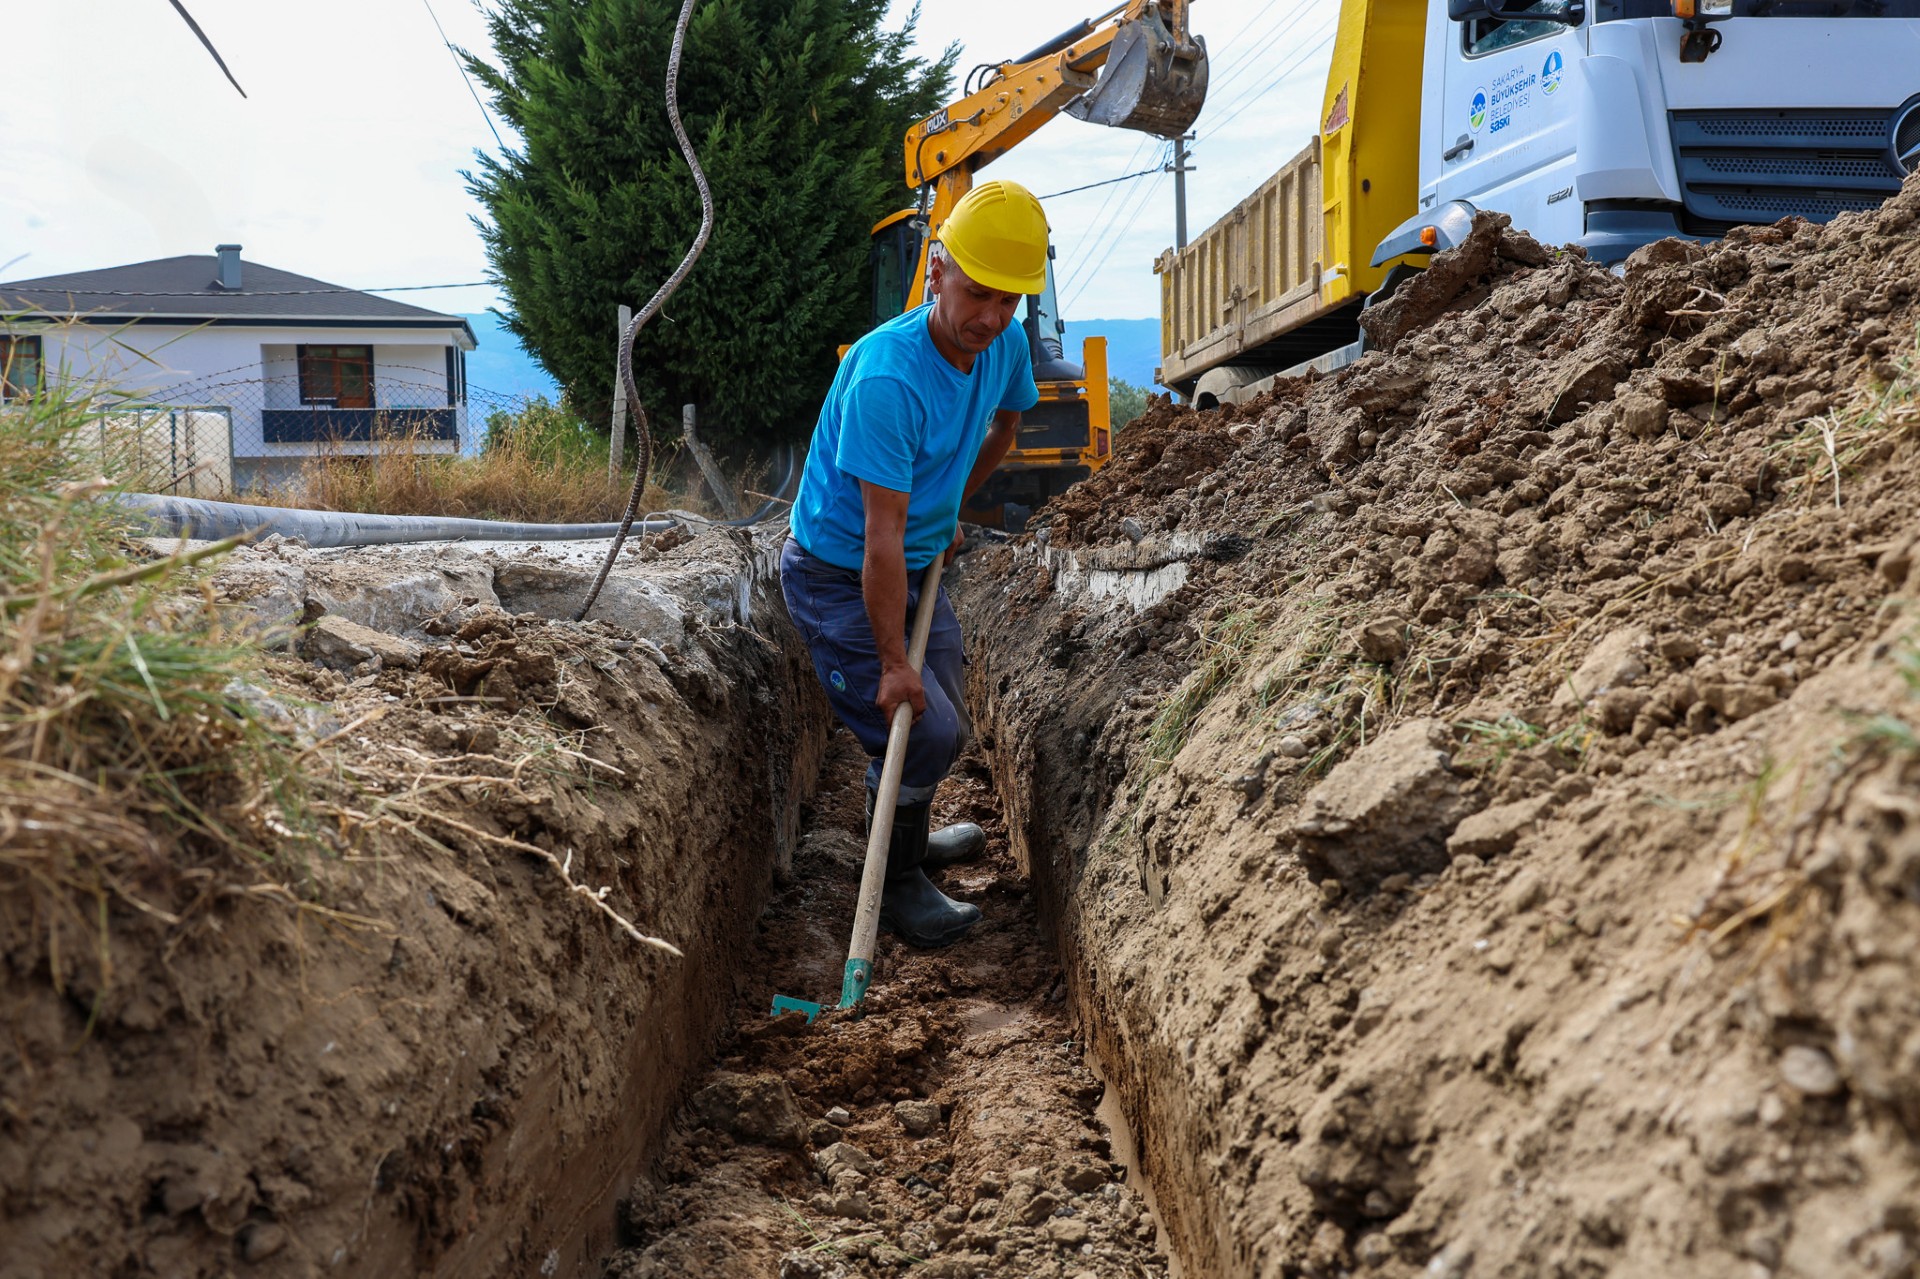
1134 67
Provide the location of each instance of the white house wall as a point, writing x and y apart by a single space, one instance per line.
241 371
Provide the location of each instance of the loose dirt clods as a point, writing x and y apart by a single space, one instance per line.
1498 857
946 1126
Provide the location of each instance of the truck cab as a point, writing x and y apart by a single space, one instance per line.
1613 123
1603 123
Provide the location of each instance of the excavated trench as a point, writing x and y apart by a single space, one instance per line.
1463 807
1469 800
438 1055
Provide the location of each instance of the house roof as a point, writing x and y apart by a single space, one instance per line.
184 290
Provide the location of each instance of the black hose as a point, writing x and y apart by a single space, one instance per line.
643 444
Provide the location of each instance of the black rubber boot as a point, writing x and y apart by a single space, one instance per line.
948 846
911 906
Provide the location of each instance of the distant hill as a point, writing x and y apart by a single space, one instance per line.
1133 347
500 368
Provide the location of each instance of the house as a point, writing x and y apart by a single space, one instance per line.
227 373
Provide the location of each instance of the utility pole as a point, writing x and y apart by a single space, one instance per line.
1180 170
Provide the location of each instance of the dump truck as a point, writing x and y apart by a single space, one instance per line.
1135 67
1603 123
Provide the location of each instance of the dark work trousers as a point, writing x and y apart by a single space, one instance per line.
826 605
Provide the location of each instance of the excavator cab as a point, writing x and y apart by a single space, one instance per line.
894 255
1063 438
1046 334
1066 435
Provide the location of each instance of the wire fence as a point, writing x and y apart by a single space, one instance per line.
230 436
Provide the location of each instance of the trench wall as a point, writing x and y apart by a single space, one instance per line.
1059 746
432 1058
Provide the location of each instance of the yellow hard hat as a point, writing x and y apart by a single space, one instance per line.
997 234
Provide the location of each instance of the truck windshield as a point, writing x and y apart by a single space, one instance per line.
1484 35
1615 10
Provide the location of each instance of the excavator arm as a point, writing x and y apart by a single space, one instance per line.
1135 67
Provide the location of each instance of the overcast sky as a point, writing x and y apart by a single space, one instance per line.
120 141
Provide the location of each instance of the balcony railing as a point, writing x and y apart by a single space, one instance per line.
318 424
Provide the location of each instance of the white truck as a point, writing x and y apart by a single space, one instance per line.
1603 123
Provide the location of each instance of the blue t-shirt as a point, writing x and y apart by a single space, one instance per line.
898 415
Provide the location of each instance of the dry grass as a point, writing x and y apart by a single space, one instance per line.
1827 450
1769 879
124 756
539 466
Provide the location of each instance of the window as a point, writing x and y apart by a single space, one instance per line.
456 375
19 368
1615 10
337 377
1485 35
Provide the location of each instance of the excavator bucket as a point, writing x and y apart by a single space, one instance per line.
1151 82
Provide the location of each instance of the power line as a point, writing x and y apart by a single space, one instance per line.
463 75
1269 86
1099 222
1266 41
1128 177
1254 87
1138 146
1150 190
1101 229
1222 46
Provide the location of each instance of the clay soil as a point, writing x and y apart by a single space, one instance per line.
946 1126
406 1041
1477 794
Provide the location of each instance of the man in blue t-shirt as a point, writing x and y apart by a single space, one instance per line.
920 413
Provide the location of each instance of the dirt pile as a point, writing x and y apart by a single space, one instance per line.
421 1041
1474 792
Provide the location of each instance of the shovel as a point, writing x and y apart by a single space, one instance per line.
866 918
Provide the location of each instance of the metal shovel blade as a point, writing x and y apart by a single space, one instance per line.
788 1004
1151 82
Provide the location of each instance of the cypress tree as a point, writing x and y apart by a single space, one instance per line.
796 108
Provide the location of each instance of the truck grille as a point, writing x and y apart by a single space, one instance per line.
1760 166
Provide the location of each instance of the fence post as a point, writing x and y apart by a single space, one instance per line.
722 491
617 441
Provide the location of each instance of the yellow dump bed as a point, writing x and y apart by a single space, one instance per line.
1282 277
1250 277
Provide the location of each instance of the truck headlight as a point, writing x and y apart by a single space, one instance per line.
1700 40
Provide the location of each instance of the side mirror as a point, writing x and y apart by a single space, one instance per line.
1567 12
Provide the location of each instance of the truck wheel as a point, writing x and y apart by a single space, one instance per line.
1233 384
